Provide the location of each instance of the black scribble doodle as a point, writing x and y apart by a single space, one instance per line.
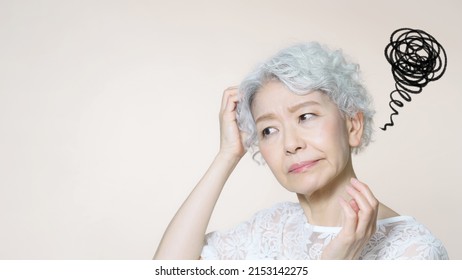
416 59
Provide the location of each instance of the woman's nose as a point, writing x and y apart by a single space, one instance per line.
292 141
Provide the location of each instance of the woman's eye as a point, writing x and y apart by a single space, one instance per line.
305 117
268 131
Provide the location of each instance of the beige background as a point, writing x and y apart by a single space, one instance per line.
108 115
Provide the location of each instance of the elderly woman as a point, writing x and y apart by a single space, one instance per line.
306 112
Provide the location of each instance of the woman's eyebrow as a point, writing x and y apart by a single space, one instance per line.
296 107
268 116
291 109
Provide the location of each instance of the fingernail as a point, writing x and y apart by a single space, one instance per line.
354 180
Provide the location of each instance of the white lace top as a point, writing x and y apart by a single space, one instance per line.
282 232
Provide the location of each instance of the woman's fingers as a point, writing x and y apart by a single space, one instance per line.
231 138
365 190
354 205
363 196
359 223
231 104
360 199
231 91
350 218
367 205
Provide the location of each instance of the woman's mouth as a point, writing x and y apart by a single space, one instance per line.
302 166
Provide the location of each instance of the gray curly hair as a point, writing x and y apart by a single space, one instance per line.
304 68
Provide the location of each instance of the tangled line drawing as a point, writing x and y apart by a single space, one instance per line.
416 58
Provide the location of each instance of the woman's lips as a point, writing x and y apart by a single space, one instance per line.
302 166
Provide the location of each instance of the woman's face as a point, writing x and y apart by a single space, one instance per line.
303 138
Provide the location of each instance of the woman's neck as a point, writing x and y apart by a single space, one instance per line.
322 207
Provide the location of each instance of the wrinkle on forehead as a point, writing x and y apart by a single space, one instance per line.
290 104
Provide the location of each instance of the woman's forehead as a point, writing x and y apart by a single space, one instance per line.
276 95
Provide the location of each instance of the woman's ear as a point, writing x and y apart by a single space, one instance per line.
355 126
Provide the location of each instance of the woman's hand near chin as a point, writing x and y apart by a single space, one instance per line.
231 138
359 223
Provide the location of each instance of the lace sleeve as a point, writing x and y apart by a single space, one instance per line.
407 240
257 238
424 246
233 244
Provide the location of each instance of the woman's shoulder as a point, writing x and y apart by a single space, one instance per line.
244 239
403 237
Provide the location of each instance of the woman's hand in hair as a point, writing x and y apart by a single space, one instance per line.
231 143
